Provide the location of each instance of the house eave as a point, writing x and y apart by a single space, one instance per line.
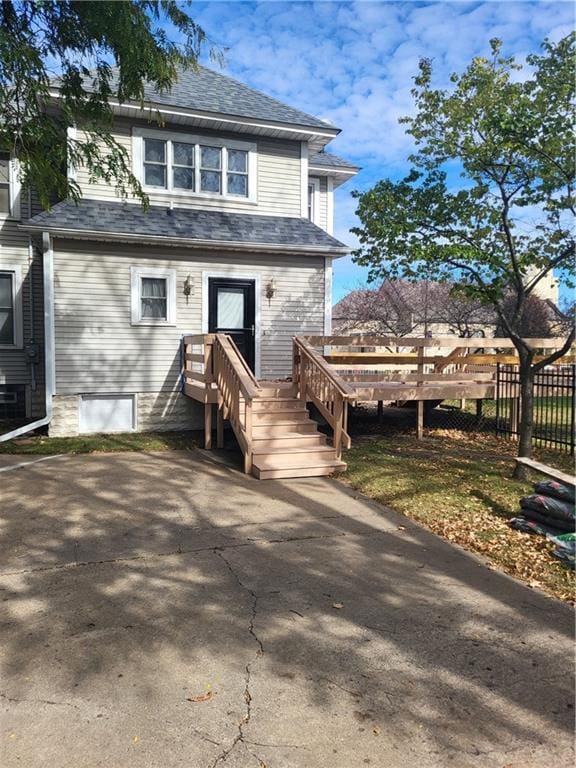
318 137
122 237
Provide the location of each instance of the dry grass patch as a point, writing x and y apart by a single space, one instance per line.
460 487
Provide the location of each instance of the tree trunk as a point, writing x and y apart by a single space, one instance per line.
526 413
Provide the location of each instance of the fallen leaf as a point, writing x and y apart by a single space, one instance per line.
376 731
135 739
202 697
338 605
401 527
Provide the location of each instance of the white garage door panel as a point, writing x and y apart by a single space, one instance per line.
107 413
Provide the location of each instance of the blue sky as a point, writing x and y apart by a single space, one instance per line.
353 63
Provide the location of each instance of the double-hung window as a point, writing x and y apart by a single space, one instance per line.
10 306
4 183
153 296
9 187
193 165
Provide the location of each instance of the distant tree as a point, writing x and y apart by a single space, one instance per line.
506 223
403 308
535 321
79 42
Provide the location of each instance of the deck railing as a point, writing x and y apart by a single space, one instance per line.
314 380
237 388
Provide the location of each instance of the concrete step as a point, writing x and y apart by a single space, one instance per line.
265 469
284 428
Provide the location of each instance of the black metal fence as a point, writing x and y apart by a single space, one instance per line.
554 405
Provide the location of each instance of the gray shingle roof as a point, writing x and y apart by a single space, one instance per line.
131 221
328 160
210 91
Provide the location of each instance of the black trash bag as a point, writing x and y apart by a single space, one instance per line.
564 526
556 490
546 505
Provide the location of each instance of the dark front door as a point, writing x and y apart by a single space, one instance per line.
231 310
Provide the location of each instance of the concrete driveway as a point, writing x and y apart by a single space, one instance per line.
165 610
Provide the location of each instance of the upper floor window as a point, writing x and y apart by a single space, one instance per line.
4 183
184 165
314 200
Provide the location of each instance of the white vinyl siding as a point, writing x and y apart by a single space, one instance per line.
277 174
14 365
99 350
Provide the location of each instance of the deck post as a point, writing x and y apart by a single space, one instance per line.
248 433
219 429
380 411
479 405
419 383
420 421
338 416
302 381
208 426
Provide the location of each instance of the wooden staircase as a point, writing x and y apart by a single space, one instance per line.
285 440
269 419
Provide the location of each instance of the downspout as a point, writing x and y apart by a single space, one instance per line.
48 273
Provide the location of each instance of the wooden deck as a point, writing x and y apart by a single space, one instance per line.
271 421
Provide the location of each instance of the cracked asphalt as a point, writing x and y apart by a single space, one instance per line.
163 610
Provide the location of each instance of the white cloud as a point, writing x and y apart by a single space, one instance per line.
354 63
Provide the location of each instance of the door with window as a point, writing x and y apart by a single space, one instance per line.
232 310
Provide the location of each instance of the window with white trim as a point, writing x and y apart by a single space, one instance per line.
194 165
10 306
153 296
4 183
314 200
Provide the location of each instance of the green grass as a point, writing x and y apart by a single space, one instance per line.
131 441
460 487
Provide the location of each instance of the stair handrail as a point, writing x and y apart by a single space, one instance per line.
316 381
237 388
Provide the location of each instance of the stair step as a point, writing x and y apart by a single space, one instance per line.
279 416
265 404
264 469
283 440
276 390
299 454
284 429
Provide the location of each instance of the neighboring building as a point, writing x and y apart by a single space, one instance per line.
238 235
403 308
428 308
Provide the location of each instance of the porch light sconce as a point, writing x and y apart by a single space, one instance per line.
270 289
187 287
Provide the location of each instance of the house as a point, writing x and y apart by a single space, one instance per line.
96 297
421 308
429 308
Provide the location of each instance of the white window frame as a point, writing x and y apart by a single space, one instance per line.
136 275
314 181
138 136
14 189
16 272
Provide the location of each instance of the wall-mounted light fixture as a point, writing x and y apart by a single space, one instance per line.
187 286
270 289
